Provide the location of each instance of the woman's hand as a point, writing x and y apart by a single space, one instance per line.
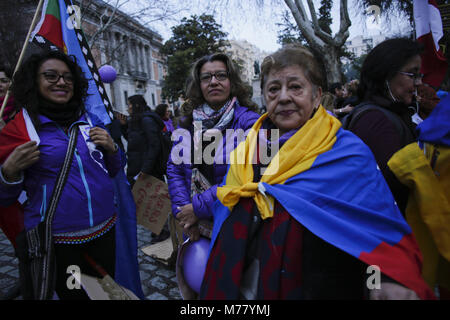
188 220
392 291
23 157
347 109
186 216
102 139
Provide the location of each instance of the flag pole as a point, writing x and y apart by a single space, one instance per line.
22 53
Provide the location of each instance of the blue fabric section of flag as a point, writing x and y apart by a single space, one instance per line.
436 128
343 199
127 265
94 102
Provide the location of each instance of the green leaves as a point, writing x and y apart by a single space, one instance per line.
192 39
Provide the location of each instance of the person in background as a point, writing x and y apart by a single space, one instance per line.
350 99
144 140
338 91
9 110
51 89
11 218
296 228
217 100
427 99
164 113
388 83
327 102
116 128
145 147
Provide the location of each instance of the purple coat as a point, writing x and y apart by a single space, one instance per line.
88 195
179 176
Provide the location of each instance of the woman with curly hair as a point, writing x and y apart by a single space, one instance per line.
217 100
51 89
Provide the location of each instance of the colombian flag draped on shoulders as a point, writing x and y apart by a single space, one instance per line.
59 29
328 181
425 168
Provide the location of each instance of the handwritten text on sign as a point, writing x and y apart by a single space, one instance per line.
152 202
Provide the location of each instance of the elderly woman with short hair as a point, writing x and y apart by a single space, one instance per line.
311 223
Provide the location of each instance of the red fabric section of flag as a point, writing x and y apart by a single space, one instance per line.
14 134
51 30
434 64
11 221
401 262
433 3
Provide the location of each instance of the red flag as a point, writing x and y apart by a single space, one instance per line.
11 221
16 132
429 31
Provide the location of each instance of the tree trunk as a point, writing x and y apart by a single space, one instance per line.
332 63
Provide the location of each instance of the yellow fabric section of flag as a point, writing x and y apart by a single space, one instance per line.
317 136
428 209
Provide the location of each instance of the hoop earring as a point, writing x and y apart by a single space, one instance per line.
390 92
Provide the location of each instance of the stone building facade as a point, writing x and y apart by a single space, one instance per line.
133 50
250 57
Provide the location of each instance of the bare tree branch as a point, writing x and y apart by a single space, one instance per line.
305 26
315 22
345 24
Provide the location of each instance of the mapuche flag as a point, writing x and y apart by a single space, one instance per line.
429 31
59 28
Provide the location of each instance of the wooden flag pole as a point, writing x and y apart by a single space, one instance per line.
22 53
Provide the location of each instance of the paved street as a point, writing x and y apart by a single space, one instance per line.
158 281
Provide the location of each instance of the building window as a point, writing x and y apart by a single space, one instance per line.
153 99
160 72
125 93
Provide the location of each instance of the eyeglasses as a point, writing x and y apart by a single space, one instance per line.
53 77
219 75
414 76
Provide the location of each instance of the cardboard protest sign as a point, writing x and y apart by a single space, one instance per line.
105 289
160 251
153 206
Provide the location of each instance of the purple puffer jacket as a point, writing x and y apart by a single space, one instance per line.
179 176
88 195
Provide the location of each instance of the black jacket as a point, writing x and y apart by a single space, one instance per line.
144 146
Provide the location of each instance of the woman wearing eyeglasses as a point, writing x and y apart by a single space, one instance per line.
388 85
217 100
51 89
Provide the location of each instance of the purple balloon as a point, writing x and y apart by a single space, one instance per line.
195 258
107 73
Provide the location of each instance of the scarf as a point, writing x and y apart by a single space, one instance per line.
297 155
64 115
212 119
